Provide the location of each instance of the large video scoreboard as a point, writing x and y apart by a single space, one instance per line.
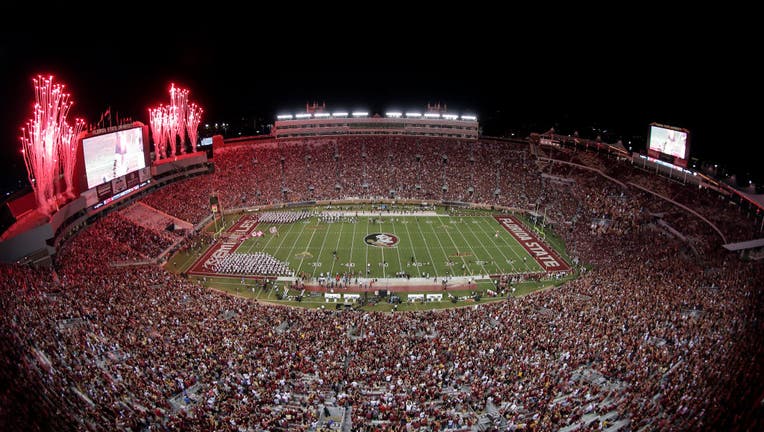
669 143
113 155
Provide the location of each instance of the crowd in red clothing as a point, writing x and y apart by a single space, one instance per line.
675 336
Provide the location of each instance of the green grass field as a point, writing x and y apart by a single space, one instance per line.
468 243
435 246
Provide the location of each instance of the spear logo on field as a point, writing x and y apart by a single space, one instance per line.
381 240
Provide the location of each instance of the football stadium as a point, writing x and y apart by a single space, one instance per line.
373 271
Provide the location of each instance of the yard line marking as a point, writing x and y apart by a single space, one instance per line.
397 249
323 243
413 250
424 241
456 246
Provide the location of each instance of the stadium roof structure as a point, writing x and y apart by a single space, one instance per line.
756 198
740 246
619 145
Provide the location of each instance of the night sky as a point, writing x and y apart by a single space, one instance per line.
512 82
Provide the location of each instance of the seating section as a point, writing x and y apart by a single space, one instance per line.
662 333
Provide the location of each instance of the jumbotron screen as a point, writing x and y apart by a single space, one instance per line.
113 155
668 141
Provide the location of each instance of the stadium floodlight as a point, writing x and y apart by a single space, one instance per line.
469 117
340 114
432 115
302 115
393 114
413 114
450 116
284 117
360 114
317 115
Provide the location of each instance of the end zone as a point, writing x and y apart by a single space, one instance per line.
226 244
547 258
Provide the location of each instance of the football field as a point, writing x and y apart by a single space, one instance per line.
417 246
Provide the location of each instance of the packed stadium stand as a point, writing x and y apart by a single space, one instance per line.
662 333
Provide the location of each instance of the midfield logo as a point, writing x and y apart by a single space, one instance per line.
381 240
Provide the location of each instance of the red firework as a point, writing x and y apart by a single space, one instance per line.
158 120
47 143
171 123
192 124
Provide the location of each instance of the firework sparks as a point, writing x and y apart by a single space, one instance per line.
192 124
171 123
47 143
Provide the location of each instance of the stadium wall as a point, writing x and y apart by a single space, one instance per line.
32 242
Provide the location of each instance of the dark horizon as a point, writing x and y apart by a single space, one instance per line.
620 93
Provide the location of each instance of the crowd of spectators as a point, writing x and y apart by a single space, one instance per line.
362 167
116 234
673 338
485 171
